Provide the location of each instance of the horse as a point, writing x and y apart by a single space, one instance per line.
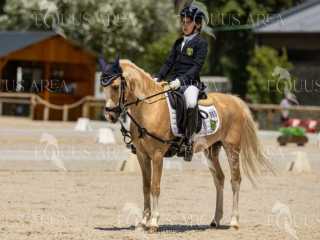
129 85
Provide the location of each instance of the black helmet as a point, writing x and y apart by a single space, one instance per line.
193 12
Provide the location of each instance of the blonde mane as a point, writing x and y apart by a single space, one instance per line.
143 82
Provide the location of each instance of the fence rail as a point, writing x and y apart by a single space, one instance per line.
89 102
33 100
274 107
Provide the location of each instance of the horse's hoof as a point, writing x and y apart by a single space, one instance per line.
235 225
153 229
214 224
141 227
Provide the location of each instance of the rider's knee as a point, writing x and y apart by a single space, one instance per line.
192 103
191 95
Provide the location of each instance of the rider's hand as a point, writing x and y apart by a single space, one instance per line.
155 79
175 84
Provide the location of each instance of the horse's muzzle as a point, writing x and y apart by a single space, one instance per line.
111 116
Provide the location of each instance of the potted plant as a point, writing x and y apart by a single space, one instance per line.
292 135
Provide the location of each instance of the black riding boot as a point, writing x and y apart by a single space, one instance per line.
190 130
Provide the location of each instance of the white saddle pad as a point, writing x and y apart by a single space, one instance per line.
209 126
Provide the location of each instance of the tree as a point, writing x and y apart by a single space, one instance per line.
156 52
109 27
2 3
231 48
268 75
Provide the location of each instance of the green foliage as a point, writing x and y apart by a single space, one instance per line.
109 27
156 52
264 86
230 49
292 131
143 30
2 3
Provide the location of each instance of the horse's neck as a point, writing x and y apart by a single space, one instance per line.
150 113
140 83
144 87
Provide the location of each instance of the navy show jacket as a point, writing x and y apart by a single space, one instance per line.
186 64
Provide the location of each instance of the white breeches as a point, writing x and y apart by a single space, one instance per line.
191 95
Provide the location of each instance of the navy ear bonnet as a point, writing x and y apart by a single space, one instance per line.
110 71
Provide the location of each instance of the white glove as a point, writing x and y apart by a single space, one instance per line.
155 79
175 84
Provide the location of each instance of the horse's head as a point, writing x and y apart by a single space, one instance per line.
124 82
112 83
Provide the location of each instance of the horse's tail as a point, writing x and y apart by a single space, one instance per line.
252 156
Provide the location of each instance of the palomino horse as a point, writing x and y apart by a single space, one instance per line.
237 135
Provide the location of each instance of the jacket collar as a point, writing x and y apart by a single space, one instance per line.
190 37
193 39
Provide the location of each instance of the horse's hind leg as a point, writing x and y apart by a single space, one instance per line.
212 154
233 151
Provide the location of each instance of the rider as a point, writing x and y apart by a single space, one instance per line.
185 62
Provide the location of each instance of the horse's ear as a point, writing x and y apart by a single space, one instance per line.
117 61
116 65
103 64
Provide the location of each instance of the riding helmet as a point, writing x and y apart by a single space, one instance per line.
193 12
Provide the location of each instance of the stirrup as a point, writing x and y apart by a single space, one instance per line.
188 153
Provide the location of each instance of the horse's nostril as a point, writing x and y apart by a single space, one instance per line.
112 118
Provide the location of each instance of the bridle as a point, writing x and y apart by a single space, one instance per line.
122 108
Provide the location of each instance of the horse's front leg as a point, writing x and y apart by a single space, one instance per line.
157 164
145 164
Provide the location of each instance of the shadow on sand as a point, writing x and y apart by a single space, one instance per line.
178 228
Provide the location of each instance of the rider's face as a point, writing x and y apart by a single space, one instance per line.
187 25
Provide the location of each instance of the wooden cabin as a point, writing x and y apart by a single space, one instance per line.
45 63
